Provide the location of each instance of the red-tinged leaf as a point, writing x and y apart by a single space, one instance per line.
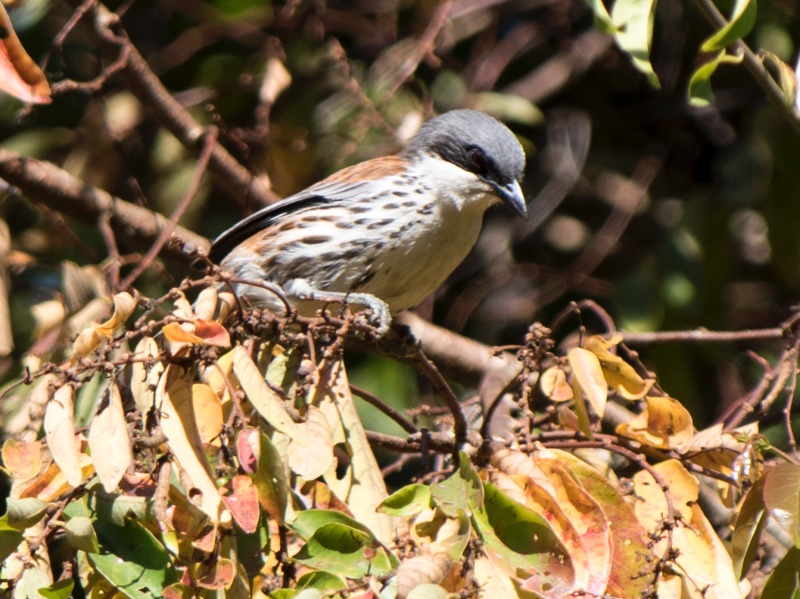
109 441
212 333
177 334
247 448
22 460
19 74
243 503
215 576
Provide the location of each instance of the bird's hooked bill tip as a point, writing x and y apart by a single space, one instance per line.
513 196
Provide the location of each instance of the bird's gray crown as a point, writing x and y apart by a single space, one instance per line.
466 137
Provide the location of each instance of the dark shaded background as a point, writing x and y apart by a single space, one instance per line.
703 203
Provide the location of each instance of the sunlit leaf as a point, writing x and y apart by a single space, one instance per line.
700 93
19 74
59 428
633 26
743 17
109 441
782 498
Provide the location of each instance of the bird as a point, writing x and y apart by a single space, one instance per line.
381 234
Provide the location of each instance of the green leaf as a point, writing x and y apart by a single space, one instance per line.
633 21
323 581
9 541
743 17
784 582
700 84
132 560
22 513
58 590
345 551
750 522
81 535
410 500
783 75
309 521
522 542
271 481
601 17
461 491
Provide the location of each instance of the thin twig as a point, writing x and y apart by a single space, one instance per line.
373 400
180 210
439 383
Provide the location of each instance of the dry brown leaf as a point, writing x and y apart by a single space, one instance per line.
276 79
109 441
19 74
144 379
268 403
424 569
367 488
310 452
206 304
59 428
88 339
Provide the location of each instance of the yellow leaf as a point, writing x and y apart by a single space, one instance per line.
588 374
619 375
664 424
208 413
124 305
554 385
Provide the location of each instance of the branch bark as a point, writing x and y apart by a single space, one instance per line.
57 189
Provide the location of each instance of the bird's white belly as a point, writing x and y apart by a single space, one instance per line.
419 262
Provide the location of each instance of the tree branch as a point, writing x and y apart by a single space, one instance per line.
57 189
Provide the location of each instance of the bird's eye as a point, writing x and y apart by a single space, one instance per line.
479 161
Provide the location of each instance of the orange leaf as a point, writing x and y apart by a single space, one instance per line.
19 75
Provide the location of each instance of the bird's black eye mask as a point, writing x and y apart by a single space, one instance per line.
478 162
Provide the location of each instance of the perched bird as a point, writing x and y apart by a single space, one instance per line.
385 233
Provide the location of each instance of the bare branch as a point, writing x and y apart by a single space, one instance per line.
57 189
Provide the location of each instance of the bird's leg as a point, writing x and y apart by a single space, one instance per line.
381 317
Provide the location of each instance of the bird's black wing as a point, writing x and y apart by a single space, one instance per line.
324 192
